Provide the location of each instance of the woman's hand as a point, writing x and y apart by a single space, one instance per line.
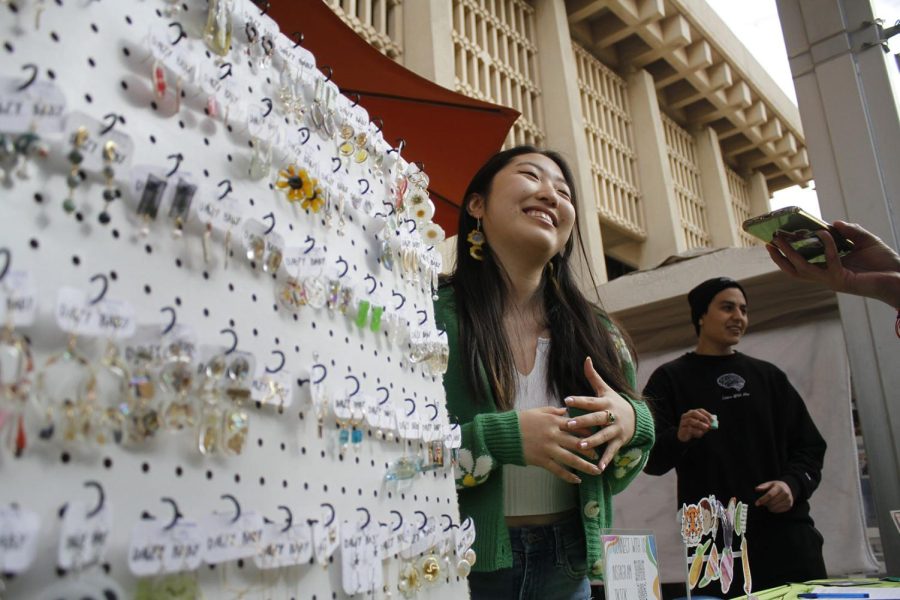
547 444
608 410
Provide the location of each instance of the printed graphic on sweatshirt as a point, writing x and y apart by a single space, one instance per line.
735 383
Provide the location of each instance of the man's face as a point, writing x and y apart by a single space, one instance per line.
725 320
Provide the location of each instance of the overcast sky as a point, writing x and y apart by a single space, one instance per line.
756 24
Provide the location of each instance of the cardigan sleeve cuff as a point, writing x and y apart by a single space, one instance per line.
644 431
501 434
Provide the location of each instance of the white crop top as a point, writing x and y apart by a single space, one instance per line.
534 490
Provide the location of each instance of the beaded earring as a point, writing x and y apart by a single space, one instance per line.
75 158
111 192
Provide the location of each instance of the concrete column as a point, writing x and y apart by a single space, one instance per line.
564 125
428 44
723 227
759 194
664 234
850 119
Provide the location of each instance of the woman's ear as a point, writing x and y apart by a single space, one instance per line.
475 206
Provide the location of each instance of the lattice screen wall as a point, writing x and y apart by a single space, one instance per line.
739 191
379 22
682 153
496 60
607 127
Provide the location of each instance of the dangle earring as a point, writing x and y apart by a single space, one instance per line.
272 260
476 242
181 206
151 198
236 420
111 192
27 146
217 33
75 157
261 161
158 76
16 384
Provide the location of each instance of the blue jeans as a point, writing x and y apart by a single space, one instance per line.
549 563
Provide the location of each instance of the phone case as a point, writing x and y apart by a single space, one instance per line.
799 228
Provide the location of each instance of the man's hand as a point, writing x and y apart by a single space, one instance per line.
777 497
694 424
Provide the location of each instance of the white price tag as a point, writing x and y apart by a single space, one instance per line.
82 541
414 540
341 408
158 43
18 299
409 424
262 125
388 418
361 568
274 389
183 62
465 536
388 541
285 548
40 108
229 539
453 435
371 411
325 540
19 529
147 549
106 318
184 548
308 261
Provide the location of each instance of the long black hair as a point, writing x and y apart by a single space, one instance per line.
481 290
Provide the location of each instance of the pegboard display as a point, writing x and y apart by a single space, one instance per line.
220 374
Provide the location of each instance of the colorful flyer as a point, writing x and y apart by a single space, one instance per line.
630 566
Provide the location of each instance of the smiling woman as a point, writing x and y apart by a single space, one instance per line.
541 381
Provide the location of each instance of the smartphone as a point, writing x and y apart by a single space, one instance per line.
798 227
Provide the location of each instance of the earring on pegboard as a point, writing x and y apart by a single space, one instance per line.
75 158
151 198
236 421
111 192
181 206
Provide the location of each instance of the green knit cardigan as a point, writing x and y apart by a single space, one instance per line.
491 439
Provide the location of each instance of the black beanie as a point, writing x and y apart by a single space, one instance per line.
700 297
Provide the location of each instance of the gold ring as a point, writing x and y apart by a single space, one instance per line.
610 417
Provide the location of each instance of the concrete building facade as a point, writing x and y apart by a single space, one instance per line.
675 132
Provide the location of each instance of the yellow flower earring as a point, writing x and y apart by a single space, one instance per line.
476 241
315 201
296 183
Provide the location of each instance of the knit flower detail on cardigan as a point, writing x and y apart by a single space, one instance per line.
470 472
625 461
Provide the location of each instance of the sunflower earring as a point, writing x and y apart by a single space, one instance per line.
476 241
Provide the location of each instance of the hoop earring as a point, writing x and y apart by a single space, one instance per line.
476 241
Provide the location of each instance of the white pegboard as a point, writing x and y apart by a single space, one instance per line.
98 54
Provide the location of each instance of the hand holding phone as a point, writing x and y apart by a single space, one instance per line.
798 228
871 269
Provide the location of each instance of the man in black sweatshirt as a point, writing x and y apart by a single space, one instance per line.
732 425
